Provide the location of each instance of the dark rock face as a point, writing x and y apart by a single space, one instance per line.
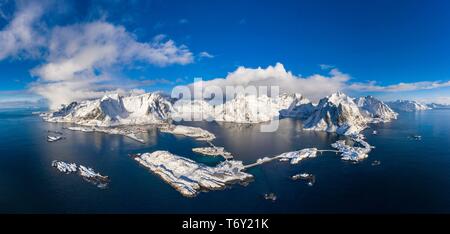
65 110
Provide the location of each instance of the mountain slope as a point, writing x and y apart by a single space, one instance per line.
241 109
299 107
337 113
111 110
251 109
376 109
408 106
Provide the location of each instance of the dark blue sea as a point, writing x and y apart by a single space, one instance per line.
414 175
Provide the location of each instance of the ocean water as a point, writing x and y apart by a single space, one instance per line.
413 176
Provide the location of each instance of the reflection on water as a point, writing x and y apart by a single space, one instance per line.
28 183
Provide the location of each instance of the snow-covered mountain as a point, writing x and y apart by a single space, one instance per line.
406 105
253 109
64 110
376 109
193 110
242 109
337 113
113 110
247 109
298 107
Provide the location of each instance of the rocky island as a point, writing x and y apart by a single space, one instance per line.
189 177
87 173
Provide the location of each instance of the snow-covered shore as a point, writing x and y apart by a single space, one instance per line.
129 131
54 138
134 131
213 151
353 153
64 167
194 132
189 177
294 157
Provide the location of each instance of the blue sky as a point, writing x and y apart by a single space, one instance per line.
390 49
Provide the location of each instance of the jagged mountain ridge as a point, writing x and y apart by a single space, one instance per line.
375 109
241 109
335 113
111 110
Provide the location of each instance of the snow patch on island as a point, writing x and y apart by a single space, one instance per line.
54 138
353 153
194 132
189 177
64 167
294 157
213 151
131 132
309 178
86 173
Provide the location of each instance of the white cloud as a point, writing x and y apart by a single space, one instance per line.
81 61
313 87
205 54
81 56
373 87
23 35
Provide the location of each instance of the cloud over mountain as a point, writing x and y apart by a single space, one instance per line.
314 86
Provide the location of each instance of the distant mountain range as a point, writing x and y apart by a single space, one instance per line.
23 104
408 106
438 106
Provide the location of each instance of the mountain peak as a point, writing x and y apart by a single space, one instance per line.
113 96
338 94
374 108
338 98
